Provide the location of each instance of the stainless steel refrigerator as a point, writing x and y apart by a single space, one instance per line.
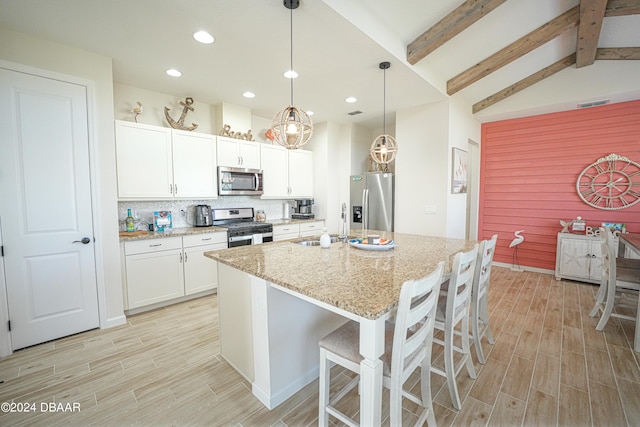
371 199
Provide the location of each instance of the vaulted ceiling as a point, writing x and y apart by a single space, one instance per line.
500 59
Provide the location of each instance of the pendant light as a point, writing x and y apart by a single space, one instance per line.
292 127
384 148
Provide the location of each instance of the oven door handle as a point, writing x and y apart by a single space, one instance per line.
248 237
240 238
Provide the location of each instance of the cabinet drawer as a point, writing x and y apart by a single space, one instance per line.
152 245
286 229
204 239
311 226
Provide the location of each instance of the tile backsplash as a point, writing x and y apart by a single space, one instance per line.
143 210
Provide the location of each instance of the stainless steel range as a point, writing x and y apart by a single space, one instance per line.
242 229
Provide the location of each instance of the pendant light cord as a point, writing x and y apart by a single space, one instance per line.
384 101
291 51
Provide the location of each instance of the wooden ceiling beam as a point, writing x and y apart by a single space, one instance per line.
610 53
448 27
525 83
591 17
622 7
522 46
614 53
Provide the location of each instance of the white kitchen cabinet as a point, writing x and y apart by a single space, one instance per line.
194 165
160 270
285 232
200 272
154 271
287 173
578 257
311 228
237 153
300 173
154 162
296 230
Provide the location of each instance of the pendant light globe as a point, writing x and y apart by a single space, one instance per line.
292 127
384 148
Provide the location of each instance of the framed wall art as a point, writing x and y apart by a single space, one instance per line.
459 171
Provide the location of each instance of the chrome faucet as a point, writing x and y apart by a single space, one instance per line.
343 216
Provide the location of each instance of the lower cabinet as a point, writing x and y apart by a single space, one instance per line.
578 257
160 270
295 230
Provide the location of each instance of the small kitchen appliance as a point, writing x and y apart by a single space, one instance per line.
239 181
202 216
303 209
242 228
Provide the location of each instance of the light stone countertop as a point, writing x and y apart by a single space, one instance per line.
366 283
176 232
183 231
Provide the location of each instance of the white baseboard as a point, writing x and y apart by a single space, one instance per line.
114 321
273 400
524 268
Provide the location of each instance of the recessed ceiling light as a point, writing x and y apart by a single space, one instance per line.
351 100
203 37
173 72
249 94
310 113
290 74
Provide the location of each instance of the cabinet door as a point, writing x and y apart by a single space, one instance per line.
249 154
194 165
144 162
301 173
228 152
200 272
154 277
575 258
275 171
595 263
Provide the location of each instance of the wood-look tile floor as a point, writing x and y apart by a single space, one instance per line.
548 367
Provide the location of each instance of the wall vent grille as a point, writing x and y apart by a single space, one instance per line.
594 103
355 113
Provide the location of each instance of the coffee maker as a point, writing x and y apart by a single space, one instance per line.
302 209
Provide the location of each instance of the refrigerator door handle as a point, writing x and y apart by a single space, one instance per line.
365 209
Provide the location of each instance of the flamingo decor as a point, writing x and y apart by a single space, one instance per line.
514 244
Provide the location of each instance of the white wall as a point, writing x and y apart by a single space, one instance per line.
125 98
462 128
422 167
23 49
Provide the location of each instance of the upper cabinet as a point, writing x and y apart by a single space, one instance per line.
287 173
237 153
155 162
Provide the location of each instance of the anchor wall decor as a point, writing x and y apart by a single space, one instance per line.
180 123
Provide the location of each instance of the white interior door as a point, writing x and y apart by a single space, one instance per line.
46 208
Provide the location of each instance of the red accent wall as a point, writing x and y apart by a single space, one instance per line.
528 174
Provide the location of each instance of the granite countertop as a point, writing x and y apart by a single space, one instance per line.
292 221
366 283
176 232
142 235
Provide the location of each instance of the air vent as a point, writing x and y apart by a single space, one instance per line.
355 113
594 103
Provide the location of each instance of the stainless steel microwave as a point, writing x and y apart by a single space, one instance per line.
239 182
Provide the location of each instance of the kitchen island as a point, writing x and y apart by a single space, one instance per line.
295 294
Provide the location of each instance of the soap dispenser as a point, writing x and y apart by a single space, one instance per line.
325 239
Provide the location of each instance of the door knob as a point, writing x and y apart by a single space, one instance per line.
84 241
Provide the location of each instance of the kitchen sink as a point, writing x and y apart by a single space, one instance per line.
314 242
